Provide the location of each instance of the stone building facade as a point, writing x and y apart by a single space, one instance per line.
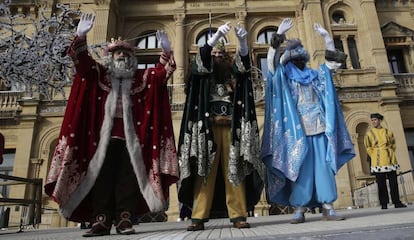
378 76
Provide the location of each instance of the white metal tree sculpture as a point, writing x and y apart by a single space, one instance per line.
33 51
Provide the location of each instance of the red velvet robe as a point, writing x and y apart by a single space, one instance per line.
86 130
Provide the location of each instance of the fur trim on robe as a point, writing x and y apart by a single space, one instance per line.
86 131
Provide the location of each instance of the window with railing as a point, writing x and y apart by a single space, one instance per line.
345 34
347 44
6 168
396 61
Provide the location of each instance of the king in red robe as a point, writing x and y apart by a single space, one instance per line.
106 106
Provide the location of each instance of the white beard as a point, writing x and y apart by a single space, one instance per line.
121 68
121 64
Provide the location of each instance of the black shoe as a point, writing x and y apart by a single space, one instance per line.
124 225
331 215
298 217
241 224
196 226
101 227
400 205
384 206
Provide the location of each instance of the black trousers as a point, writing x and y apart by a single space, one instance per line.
382 187
116 188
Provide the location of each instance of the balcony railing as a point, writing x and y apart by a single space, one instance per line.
405 84
367 196
9 100
9 104
31 205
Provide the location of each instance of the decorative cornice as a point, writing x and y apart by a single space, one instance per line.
103 2
179 16
359 95
37 161
45 110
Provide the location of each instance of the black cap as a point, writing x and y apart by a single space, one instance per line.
377 116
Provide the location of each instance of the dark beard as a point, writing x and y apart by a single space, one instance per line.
222 72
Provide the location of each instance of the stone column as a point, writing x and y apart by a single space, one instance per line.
180 48
100 27
344 40
411 57
241 18
25 133
312 13
392 114
369 29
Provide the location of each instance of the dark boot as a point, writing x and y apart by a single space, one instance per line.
298 216
329 213
124 225
241 224
400 205
196 226
101 227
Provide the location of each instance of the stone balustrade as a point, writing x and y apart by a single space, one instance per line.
9 100
9 104
405 84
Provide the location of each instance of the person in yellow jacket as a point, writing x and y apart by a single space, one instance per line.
380 145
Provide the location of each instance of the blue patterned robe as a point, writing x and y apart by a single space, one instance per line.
285 145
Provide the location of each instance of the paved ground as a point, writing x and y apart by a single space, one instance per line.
364 223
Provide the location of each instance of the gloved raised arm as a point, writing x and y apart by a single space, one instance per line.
165 45
329 43
78 49
241 34
221 32
279 37
85 24
334 58
273 53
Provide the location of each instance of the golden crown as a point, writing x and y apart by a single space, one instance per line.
117 44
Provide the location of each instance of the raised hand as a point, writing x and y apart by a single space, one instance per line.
221 31
162 38
85 24
224 29
241 34
284 26
323 33
320 30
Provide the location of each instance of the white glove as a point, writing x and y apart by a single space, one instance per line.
323 33
85 24
271 59
284 26
221 31
163 40
241 34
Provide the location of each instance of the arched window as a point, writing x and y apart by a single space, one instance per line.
265 35
345 34
147 40
338 17
204 36
146 59
362 129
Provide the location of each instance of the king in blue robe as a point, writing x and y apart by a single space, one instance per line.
305 140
